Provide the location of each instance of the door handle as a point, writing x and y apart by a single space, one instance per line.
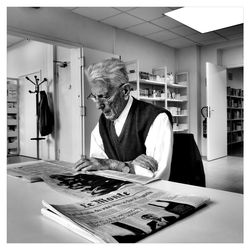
204 111
209 111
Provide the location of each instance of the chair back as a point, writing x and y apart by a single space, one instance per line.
186 166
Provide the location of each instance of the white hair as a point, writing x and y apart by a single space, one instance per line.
111 71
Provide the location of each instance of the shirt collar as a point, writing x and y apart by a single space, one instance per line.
125 111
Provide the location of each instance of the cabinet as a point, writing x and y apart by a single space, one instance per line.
235 116
12 117
178 101
163 89
149 87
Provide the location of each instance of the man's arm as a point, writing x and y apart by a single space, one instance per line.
156 162
99 159
159 145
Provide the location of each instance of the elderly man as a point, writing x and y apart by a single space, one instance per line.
131 136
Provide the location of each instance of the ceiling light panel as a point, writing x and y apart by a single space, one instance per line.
205 19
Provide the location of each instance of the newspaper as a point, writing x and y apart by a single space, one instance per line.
33 171
126 215
84 185
36 171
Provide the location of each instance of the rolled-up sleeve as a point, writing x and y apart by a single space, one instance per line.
159 145
96 144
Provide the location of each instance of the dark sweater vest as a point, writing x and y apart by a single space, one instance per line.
131 141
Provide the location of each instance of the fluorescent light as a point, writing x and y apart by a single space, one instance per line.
205 19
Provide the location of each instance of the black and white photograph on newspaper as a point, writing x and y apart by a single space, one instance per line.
84 185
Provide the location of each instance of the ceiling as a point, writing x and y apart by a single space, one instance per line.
149 22
12 40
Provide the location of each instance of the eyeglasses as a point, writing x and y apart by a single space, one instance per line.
103 99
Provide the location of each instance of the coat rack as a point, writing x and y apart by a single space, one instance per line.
37 84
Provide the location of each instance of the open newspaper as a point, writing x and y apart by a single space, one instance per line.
126 215
36 171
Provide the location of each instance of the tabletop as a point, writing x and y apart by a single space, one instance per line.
220 221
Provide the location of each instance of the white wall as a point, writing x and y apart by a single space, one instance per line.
30 58
60 24
232 57
230 53
237 78
149 53
187 60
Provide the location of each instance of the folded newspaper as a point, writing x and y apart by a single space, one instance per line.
36 171
126 215
111 206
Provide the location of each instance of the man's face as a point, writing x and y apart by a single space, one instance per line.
113 107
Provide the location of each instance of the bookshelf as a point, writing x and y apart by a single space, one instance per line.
163 89
235 116
12 117
178 101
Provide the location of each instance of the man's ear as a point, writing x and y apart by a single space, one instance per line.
126 91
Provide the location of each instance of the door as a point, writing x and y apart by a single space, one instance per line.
92 113
68 76
217 111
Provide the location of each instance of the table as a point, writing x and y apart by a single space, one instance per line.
220 221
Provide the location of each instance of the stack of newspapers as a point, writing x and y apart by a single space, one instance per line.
110 206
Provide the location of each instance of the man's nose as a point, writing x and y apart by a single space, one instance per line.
100 105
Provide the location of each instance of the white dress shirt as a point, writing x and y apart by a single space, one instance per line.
159 143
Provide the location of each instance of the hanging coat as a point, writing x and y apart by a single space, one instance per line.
46 118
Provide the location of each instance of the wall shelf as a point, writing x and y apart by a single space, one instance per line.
156 99
235 131
12 116
235 96
163 89
234 142
178 101
235 116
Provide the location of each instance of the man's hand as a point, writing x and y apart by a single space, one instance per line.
90 164
147 162
93 164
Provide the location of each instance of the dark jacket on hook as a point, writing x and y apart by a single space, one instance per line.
46 119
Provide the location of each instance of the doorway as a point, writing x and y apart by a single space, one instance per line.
62 67
235 111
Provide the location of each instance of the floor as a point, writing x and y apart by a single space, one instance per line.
225 174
